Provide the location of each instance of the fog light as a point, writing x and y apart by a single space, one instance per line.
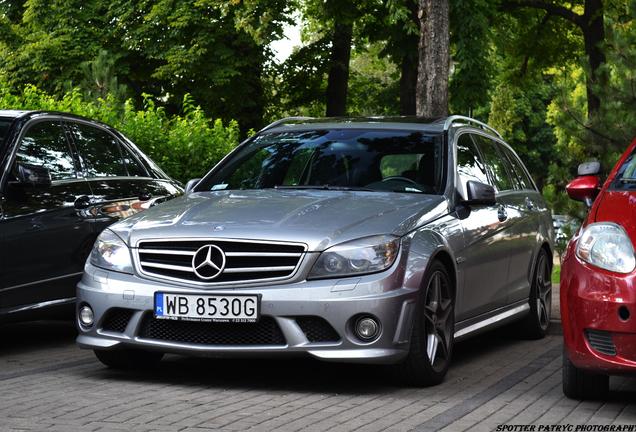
86 316
367 328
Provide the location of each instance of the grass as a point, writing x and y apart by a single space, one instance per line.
556 273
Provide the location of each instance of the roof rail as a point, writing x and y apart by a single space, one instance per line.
454 118
283 121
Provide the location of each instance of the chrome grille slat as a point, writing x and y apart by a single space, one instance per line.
263 254
258 269
246 261
167 252
167 266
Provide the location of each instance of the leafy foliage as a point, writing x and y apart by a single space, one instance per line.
185 146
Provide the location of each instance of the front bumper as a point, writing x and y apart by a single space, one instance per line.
335 301
594 305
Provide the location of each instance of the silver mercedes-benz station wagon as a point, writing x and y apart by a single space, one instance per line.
375 240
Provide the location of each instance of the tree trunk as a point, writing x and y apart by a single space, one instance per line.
593 37
434 59
408 85
339 70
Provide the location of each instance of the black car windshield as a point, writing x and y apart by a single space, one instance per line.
339 159
5 124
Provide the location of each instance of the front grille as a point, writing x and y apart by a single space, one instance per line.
245 261
117 319
317 329
263 332
601 341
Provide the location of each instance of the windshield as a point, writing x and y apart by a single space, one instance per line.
4 128
626 176
342 159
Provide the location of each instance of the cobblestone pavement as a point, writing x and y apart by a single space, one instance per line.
46 383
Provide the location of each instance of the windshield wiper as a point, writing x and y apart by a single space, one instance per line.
325 187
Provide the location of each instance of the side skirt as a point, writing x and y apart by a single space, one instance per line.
492 319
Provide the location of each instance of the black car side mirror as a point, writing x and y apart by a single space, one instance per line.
33 175
479 194
191 184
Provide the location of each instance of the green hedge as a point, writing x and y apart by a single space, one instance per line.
185 146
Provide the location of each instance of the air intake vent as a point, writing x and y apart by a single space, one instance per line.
215 261
317 329
601 341
263 332
117 319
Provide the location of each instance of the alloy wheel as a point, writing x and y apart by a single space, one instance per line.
544 291
438 314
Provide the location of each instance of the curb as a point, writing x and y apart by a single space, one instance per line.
555 328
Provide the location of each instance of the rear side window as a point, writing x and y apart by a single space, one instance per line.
517 167
498 165
5 124
45 145
470 165
99 151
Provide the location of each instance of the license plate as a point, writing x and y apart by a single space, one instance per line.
212 308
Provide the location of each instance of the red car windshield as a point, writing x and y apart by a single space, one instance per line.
626 176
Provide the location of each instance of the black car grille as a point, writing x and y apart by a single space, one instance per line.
317 329
116 319
263 332
245 261
601 341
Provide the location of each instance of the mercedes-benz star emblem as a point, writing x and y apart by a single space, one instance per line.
208 262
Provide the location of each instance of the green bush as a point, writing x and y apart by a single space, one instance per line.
185 146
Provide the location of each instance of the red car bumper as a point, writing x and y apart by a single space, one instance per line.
598 312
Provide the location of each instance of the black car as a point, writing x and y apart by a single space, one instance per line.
63 179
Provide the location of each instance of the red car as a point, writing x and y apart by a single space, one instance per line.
598 281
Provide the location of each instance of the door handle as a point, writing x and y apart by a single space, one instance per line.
82 203
502 214
529 204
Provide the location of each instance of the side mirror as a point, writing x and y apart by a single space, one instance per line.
191 184
480 194
34 175
584 189
589 169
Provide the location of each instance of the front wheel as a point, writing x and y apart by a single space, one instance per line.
432 336
128 358
580 384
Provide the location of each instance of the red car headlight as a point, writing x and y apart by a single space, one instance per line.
606 245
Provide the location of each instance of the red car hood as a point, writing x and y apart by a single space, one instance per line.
618 207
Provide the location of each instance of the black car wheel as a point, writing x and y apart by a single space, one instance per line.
433 331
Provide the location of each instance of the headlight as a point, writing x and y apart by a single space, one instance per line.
606 245
111 253
367 255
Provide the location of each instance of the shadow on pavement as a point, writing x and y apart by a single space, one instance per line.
36 336
297 374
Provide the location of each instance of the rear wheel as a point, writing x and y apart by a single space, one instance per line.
580 384
128 358
535 325
432 335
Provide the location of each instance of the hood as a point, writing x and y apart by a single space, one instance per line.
619 207
319 219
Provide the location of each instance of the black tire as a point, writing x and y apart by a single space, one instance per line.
537 323
580 384
128 358
434 322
